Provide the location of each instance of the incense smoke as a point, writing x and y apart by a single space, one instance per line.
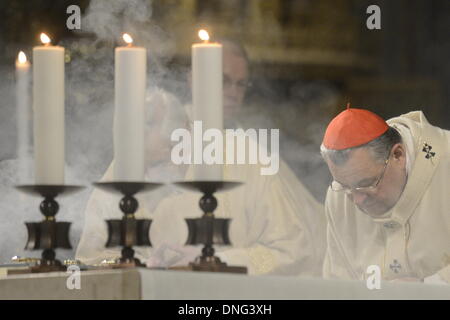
89 116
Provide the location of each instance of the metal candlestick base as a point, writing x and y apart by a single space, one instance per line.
128 231
209 230
48 234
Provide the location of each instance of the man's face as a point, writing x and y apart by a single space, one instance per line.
235 79
361 170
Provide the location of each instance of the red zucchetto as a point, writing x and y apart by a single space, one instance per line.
353 127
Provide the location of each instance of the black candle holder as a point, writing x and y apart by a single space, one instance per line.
209 230
48 234
128 231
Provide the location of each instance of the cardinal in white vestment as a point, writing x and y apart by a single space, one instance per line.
389 202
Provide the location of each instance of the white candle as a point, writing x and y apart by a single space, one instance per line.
48 108
207 97
129 114
23 115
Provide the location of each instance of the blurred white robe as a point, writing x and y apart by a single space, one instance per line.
413 238
277 226
103 205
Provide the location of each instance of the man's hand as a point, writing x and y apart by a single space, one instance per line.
168 254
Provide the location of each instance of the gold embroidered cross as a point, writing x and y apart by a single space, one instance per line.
395 266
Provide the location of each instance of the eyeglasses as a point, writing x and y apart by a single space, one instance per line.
336 186
242 84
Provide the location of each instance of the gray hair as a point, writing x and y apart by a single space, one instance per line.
379 147
236 47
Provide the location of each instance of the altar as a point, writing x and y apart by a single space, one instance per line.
146 284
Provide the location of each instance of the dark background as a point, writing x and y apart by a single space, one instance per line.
402 67
308 59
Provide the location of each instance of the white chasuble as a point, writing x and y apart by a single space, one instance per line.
413 238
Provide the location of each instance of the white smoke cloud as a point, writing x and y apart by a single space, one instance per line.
89 116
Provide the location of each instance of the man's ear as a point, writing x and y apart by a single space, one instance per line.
398 151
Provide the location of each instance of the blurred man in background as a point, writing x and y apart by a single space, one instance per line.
164 114
277 226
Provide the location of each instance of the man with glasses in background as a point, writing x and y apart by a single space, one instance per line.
389 202
277 226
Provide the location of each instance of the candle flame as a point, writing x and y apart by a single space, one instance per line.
22 58
203 34
45 39
127 38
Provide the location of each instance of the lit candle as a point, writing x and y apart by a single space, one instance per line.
207 98
23 115
48 108
129 114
